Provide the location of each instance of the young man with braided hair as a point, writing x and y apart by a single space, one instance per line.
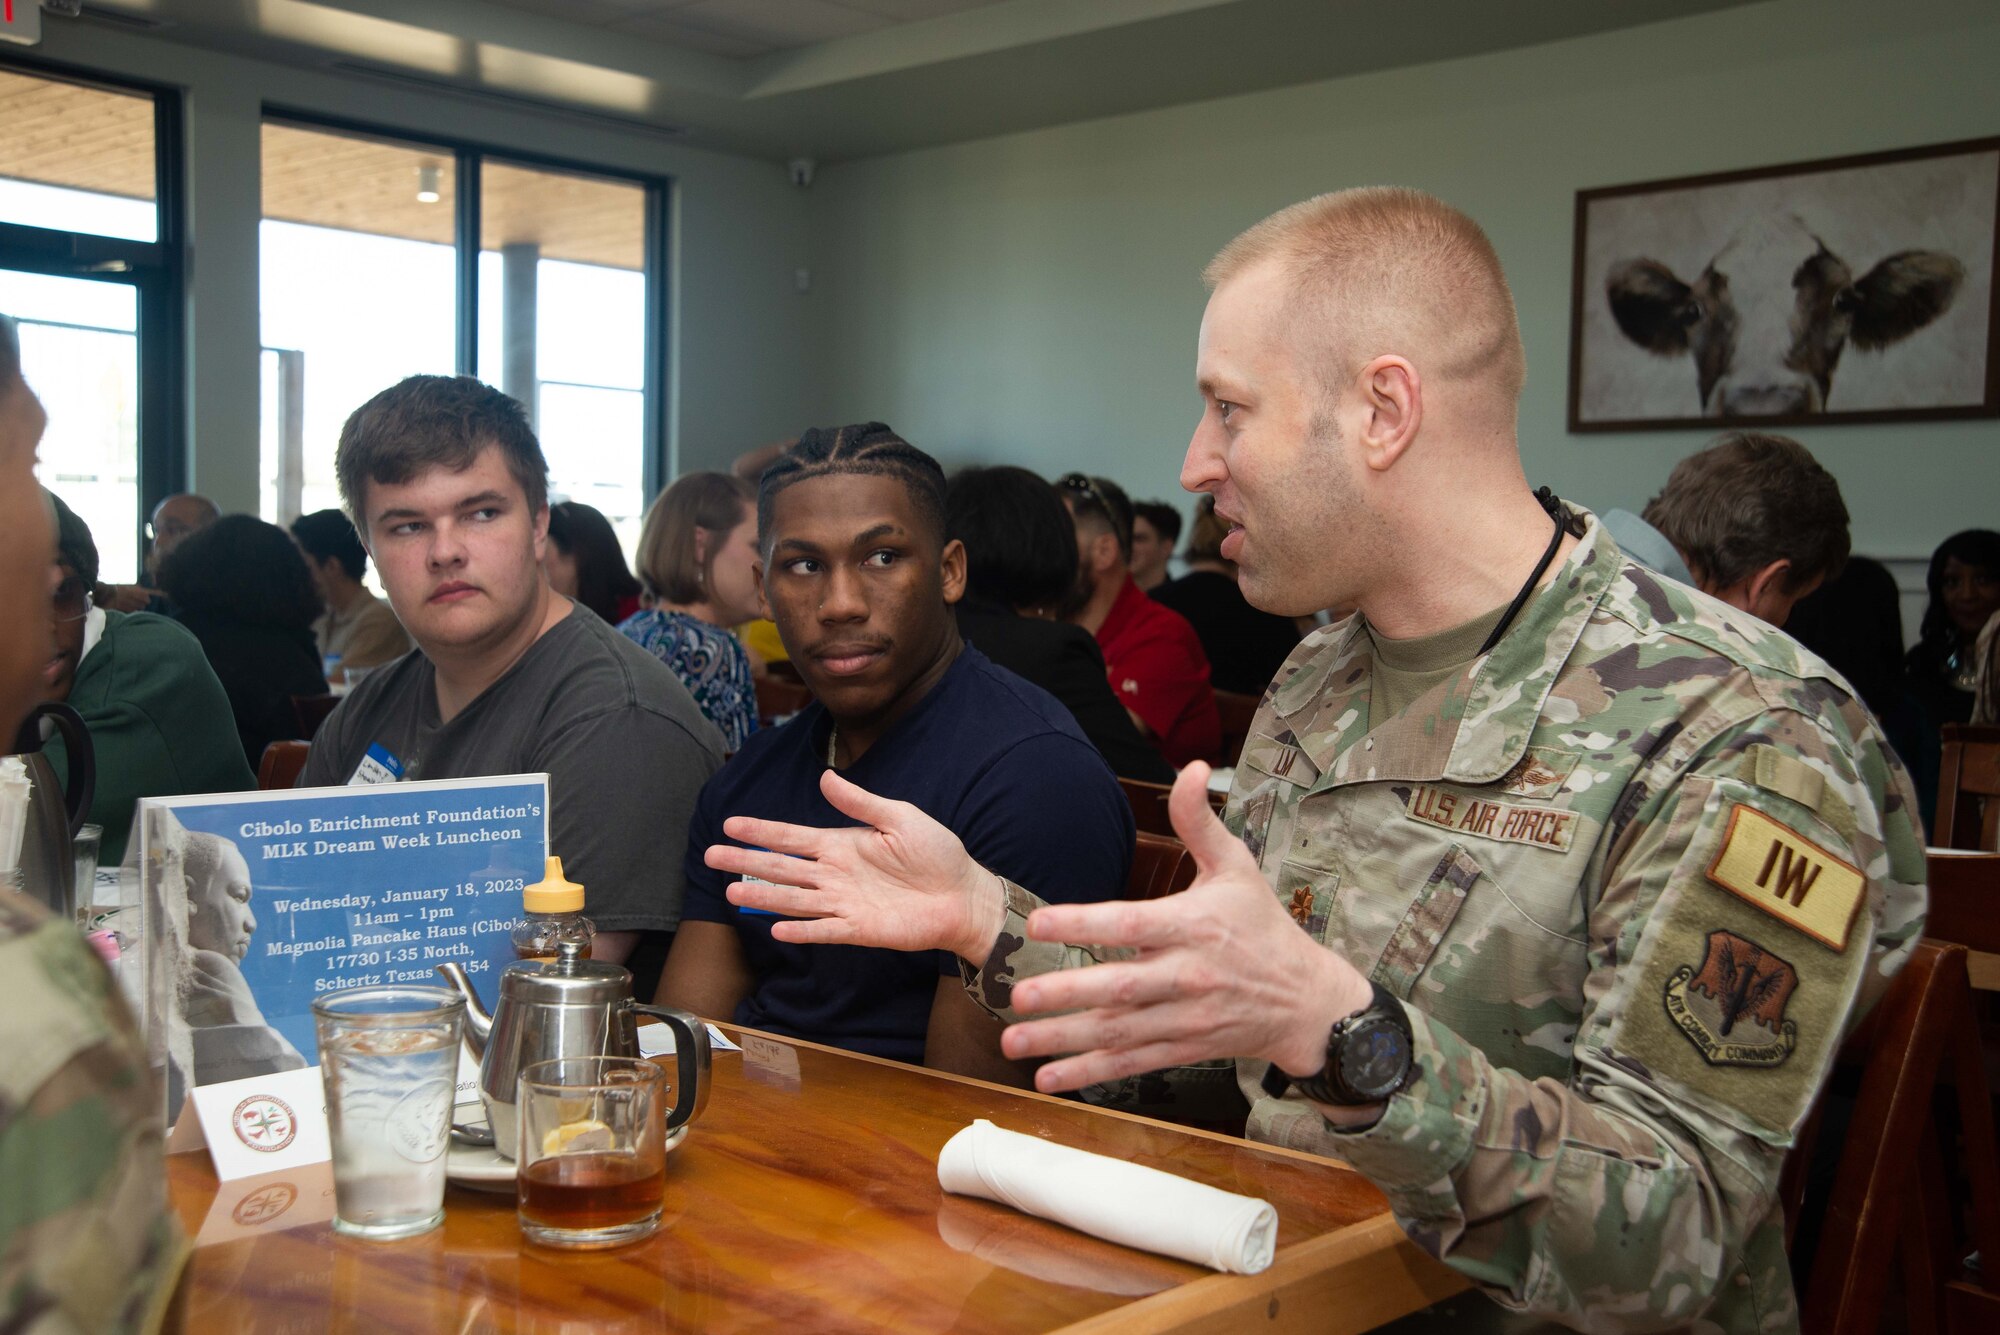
859 577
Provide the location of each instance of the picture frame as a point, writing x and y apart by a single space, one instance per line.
1840 290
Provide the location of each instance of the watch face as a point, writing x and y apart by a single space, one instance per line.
1374 1059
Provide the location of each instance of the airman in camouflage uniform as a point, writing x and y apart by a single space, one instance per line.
1633 874
86 1242
1629 869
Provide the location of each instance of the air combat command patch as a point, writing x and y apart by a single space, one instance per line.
1733 1007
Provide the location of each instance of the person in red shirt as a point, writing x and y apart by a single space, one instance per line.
1152 656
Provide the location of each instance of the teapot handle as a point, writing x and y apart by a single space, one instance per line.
691 1058
81 787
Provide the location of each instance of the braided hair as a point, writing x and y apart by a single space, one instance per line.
869 449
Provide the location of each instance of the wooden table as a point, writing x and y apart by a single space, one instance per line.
807 1199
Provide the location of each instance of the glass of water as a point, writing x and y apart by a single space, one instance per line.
389 1057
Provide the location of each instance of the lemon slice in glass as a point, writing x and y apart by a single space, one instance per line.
577 1138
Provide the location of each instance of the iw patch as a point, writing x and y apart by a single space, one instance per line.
1789 877
1732 1008
1462 813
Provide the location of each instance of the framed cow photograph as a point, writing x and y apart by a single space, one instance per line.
1848 290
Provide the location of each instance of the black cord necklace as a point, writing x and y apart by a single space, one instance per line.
1553 504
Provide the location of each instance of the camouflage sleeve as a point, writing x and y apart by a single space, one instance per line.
86 1240
1203 1091
1750 910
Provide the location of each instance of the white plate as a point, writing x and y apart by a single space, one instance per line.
479 1167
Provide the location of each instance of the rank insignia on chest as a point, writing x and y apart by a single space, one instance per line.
1302 906
1732 1007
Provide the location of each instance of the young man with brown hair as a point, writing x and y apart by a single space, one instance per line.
1754 518
448 488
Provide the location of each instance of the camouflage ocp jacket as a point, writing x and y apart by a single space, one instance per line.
1634 873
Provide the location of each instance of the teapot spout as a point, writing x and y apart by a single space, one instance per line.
478 1023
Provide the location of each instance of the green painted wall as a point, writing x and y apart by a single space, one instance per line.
1035 298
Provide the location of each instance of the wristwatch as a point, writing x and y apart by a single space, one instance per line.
1368 1058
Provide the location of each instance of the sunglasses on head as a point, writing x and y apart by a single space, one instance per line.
1086 492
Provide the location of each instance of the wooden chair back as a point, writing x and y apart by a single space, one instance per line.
1237 711
281 764
1886 1203
1149 806
311 711
1161 866
778 697
1965 910
1968 810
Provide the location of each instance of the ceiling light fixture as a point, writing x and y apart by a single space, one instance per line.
427 183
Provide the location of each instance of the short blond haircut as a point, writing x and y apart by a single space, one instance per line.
1386 269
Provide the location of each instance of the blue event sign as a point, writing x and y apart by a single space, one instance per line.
369 885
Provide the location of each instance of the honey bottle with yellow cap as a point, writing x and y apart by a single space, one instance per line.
554 914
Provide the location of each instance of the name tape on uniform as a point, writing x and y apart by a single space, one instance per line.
1789 877
1461 813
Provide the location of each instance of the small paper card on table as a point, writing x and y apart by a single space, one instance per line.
264 1122
656 1040
269 1203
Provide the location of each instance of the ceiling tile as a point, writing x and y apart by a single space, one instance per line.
664 28
780 23
592 13
908 11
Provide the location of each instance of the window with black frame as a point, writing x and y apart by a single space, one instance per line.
385 256
90 271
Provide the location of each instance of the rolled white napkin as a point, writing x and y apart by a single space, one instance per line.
1110 1199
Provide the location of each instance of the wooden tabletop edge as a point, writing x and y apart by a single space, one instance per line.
1281 1151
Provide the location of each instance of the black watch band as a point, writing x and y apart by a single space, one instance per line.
1368 1058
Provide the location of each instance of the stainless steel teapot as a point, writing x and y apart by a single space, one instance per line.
569 1007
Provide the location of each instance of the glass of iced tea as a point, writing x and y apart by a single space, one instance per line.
593 1156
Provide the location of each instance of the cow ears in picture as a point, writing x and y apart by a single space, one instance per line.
1900 295
1652 307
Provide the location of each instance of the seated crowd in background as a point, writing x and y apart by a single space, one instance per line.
160 722
1020 571
358 631
698 576
586 564
1154 658
242 586
1245 645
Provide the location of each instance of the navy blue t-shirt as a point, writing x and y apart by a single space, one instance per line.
994 759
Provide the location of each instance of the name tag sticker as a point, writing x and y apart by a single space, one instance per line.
378 766
1513 823
1789 877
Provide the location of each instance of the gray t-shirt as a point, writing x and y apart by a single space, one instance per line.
624 745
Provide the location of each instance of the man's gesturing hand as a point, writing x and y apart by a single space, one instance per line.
899 879
1221 971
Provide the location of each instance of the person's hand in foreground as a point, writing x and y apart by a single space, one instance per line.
899 880
1220 970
